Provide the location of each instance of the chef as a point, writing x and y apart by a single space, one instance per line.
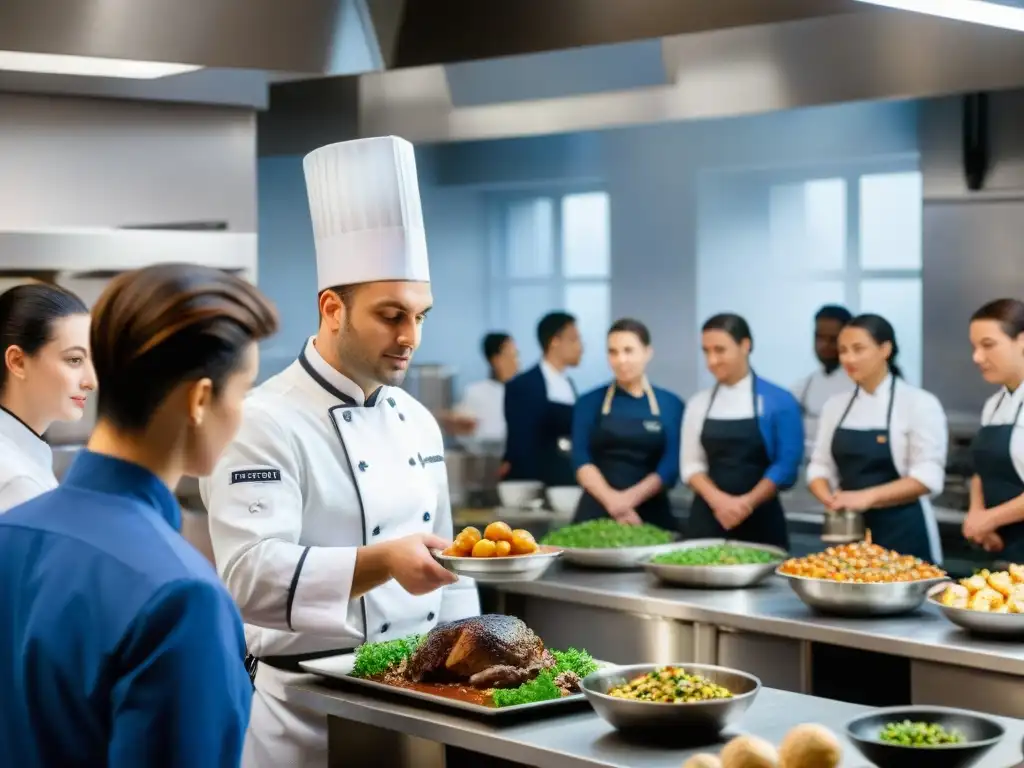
742 443
829 378
324 509
881 451
625 437
45 376
996 514
538 407
479 417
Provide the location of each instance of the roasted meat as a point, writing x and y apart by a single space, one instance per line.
489 651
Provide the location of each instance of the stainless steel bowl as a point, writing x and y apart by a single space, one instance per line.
715 576
618 558
497 570
979 622
711 716
842 527
849 599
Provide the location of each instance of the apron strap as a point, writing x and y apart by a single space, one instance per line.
652 399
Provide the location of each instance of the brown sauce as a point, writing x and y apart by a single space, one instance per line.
455 691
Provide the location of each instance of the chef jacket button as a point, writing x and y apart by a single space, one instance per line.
430 616
347 416
401 417
426 517
384 627
376 530
363 466
412 462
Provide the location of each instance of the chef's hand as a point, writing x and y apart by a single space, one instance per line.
730 511
411 564
992 543
620 506
852 501
503 469
978 525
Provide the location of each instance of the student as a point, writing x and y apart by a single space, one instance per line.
882 450
45 377
480 415
625 437
743 442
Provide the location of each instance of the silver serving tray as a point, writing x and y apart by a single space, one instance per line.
616 558
340 668
845 598
980 622
716 576
498 570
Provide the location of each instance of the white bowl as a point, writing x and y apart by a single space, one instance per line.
519 493
564 498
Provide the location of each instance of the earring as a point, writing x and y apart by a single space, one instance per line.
197 421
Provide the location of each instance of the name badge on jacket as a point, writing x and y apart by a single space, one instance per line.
652 426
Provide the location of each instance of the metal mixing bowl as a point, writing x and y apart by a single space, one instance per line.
979 622
715 576
618 558
980 733
850 599
496 570
630 715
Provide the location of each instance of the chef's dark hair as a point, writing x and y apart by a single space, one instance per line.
156 328
1009 313
629 325
491 347
880 331
834 312
28 314
551 325
732 324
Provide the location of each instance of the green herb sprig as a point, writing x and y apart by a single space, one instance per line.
374 659
542 687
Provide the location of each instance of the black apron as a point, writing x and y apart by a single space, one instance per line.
864 460
993 463
556 443
626 450
737 460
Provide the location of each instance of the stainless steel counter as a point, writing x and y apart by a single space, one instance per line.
773 609
367 730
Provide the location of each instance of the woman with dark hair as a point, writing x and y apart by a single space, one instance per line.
882 450
122 647
625 437
996 514
743 442
480 415
46 376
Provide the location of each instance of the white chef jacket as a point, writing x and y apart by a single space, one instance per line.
313 475
731 403
559 386
485 401
813 391
26 462
1002 408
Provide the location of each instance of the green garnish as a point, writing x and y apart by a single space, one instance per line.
606 534
910 734
542 687
725 554
374 659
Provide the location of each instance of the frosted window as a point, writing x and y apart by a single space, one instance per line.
807 225
585 235
527 304
890 221
529 235
590 303
898 300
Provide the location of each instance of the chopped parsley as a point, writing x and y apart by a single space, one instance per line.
374 659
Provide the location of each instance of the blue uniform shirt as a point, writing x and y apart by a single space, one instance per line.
587 413
120 647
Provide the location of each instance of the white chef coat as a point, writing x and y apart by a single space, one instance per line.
559 386
731 403
314 474
813 391
485 401
1002 408
918 438
26 462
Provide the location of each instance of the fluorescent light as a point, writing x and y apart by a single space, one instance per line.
89 66
975 11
